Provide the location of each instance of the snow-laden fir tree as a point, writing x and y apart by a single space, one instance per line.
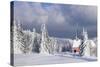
48 44
27 41
16 39
44 46
55 46
82 46
23 39
52 45
85 46
33 39
18 35
36 41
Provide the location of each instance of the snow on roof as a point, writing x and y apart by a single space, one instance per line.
76 43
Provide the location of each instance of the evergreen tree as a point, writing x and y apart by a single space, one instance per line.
26 47
83 44
17 37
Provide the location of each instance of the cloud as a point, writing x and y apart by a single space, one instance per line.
59 18
85 12
29 13
55 14
34 12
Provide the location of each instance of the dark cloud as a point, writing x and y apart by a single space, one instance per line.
61 19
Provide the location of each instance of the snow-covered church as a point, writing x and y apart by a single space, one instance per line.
26 41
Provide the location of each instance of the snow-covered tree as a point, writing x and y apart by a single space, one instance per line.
82 48
88 47
44 45
83 44
26 47
18 34
51 45
55 46
22 39
36 44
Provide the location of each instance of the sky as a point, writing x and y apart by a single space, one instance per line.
62 20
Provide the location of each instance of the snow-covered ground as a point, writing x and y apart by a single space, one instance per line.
40 59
